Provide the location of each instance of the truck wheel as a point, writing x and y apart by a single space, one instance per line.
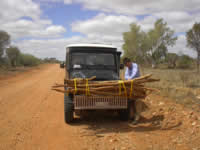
124 114
68 109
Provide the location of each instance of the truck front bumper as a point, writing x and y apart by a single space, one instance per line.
99 102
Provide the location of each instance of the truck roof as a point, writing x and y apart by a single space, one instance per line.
91 45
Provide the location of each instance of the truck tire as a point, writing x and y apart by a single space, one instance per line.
68 109
124 114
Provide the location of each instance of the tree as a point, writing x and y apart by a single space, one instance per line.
4 42
13 54
193 41
151 47
159 39
172 59
135 45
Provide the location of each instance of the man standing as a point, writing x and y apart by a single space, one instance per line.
132 71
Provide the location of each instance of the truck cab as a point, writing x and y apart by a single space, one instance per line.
87 60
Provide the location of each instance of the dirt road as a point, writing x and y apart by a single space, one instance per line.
32 118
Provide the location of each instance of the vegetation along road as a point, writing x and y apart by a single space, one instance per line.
32 117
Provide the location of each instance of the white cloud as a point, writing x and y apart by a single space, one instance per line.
181 47
55 1
48 48
140 7
107 27
147 23
14 9
55 30
135 7
28 28
13 19
178 21
67 1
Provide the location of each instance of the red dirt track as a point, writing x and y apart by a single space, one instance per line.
32 118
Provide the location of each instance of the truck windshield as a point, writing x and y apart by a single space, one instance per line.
92 59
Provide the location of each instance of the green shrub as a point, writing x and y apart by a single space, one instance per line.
29 60
184 62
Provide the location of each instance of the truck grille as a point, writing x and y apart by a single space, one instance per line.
100 102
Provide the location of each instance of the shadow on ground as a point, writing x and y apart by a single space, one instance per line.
102 123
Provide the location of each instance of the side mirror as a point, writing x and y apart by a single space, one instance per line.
121 66
62 65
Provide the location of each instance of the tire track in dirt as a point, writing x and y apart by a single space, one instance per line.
20 116
13 89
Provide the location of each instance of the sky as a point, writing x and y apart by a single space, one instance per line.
45 27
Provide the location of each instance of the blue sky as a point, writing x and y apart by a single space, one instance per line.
44 27
61 14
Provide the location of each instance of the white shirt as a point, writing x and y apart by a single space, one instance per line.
133 72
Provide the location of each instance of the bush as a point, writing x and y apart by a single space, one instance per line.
51 60
184 62
29 60
4 62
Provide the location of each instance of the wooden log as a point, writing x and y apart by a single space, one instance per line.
108 88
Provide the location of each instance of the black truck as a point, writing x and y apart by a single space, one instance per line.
86 61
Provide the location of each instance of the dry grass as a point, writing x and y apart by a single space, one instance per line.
10 71
180 85
7 71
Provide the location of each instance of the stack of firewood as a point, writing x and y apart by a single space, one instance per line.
126 88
